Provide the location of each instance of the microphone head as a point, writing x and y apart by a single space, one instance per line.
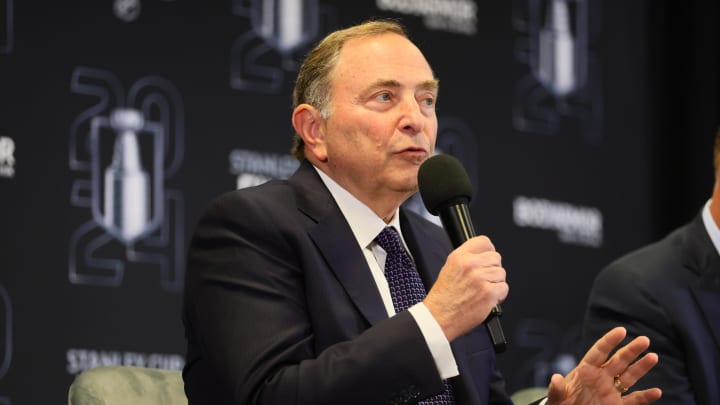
443 181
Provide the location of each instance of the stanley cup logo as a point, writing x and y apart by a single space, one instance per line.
556 67
564 82
7 149
129 195
560 62
7 159
125 148
261 56
127 185
285 24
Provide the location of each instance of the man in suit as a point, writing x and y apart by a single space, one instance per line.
670 292
287 300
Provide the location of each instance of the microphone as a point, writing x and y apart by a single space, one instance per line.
446 190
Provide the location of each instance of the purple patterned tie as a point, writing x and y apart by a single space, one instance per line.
406 289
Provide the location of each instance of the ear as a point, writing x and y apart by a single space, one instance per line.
309 125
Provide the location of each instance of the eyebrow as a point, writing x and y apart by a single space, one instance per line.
432 84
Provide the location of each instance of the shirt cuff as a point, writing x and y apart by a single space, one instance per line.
436 341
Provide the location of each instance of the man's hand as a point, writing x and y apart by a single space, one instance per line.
469 285
599 380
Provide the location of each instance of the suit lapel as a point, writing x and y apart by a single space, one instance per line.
707 296
702 258
335 242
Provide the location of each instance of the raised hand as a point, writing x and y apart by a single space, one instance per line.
599 380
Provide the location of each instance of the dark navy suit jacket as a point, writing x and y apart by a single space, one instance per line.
670 292
281 308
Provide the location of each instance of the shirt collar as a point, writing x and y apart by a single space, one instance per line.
364 223
711 226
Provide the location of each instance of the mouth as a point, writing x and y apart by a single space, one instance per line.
415 151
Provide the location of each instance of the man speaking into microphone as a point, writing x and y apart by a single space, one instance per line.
321 290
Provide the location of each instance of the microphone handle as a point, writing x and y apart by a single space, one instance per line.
458 225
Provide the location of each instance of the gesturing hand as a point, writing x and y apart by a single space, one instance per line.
599 380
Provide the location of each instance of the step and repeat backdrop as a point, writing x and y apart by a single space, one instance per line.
156 106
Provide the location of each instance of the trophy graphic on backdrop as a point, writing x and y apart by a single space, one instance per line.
563 83
7 158
132 203
285 25
127 185
560 65
127 10
126 148
260 57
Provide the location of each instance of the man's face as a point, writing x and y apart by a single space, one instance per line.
382 122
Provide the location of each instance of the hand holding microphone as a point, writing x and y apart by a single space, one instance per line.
472 281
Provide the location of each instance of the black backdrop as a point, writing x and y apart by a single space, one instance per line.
573 163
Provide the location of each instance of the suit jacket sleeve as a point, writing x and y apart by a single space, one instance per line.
653 292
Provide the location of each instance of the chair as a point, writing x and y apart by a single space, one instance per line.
528 395
124 385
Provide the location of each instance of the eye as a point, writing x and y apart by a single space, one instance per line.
428 100
384 96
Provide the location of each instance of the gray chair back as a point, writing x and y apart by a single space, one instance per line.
123 385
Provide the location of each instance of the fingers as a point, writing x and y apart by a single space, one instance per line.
469 285
479 255
599 352
626 355
602 379
488 259
642 397
556 389
638 369
480 243
624 367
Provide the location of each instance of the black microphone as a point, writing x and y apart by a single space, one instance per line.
446 191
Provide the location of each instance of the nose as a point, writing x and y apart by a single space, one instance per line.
412 120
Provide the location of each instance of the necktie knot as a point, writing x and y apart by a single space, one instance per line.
390 241
397 260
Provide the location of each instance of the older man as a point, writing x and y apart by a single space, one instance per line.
322 290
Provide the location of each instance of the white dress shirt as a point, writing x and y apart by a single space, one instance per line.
365 226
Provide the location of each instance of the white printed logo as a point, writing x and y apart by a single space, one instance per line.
457 16
7 158
125 149
253 168
79 360
573 224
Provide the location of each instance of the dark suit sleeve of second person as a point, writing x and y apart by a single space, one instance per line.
252 294
636 292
